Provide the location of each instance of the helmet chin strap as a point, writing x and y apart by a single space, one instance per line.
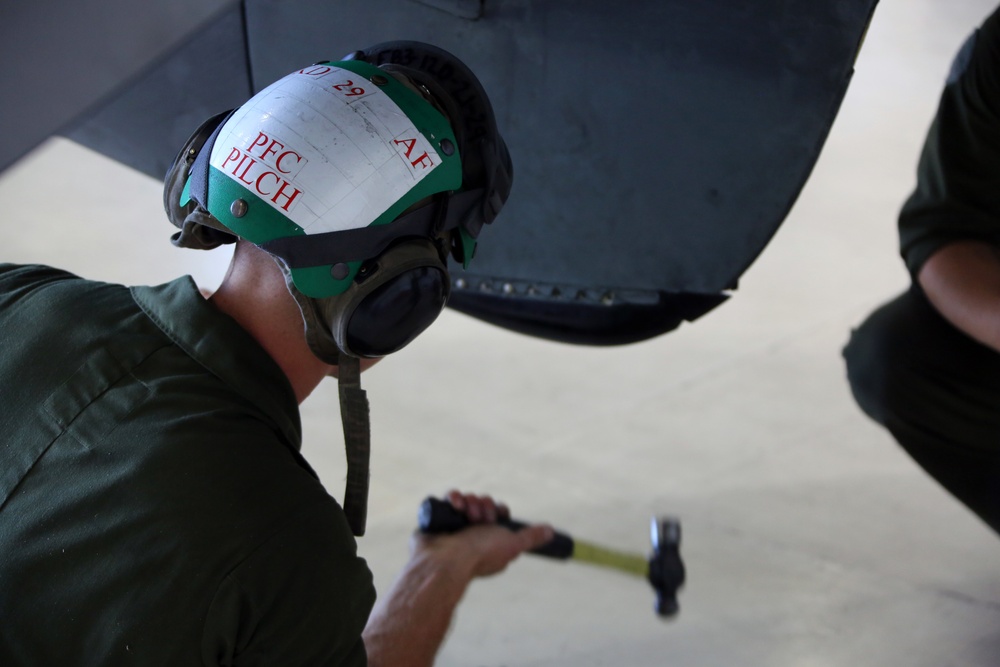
354 409
357 442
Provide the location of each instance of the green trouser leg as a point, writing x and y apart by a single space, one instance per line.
937 391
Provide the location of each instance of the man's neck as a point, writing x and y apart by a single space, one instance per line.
254 294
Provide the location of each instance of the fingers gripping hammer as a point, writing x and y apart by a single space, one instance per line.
664 568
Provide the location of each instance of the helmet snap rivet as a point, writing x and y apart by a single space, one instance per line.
339 271
238 208
447 147
379 80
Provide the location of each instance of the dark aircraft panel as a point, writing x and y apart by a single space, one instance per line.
149 121
657 144
61 57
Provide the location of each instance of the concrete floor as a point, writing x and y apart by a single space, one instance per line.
810 538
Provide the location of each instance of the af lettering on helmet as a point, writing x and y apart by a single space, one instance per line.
326 148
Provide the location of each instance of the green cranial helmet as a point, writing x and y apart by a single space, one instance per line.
333 165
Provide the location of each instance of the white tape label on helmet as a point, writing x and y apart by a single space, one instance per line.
326 147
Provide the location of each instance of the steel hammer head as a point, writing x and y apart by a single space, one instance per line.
666 569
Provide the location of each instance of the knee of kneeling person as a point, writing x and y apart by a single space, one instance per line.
877 363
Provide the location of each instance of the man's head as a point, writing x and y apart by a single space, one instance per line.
360 177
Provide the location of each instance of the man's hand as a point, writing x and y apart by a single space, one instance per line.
409 625
484 548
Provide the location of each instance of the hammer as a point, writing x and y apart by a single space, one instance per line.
663 569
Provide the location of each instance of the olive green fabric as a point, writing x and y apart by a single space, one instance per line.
958 185
154 506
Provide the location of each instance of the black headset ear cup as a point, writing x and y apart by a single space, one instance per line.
380 313
396 312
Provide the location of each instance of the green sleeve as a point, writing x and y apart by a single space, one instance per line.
19 279
958 176
302 598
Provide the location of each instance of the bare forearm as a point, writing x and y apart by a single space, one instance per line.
962 280
409 625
